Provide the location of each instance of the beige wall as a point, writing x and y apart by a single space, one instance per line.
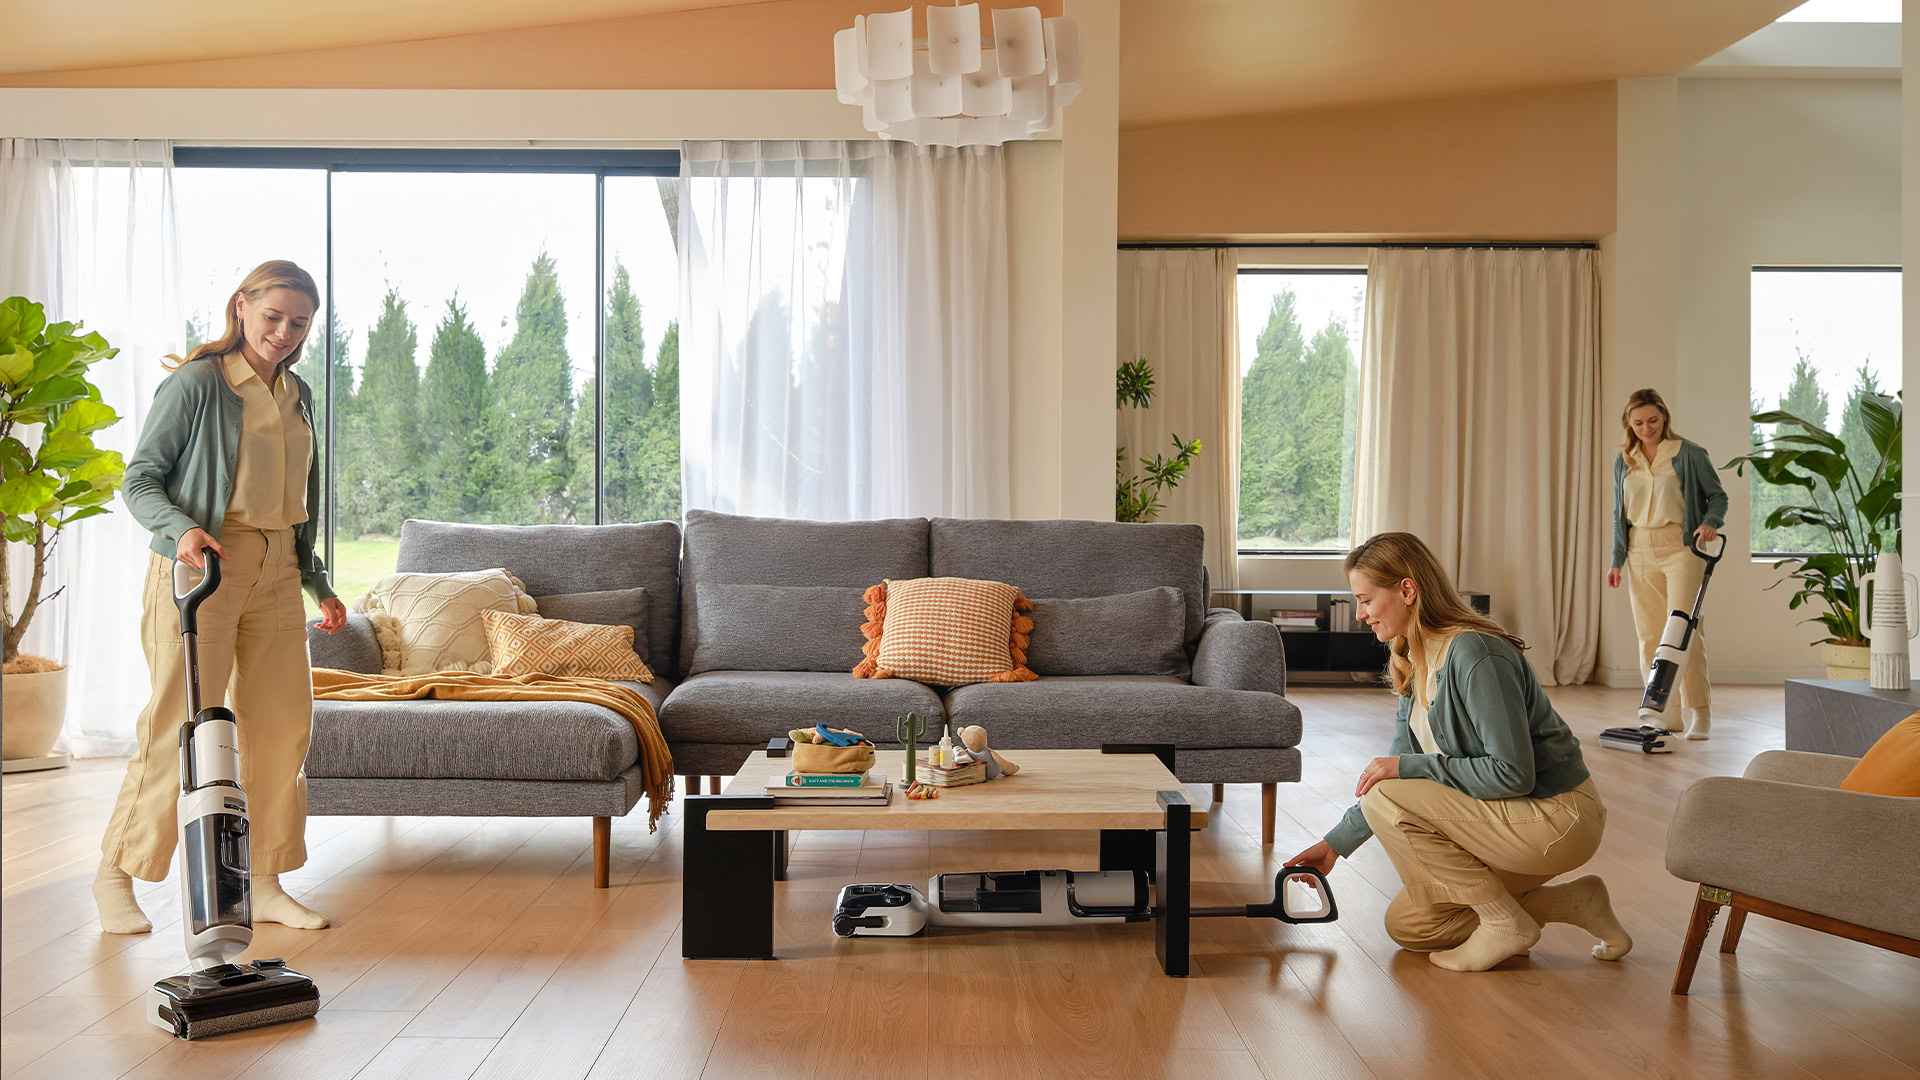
1718 176
1530 165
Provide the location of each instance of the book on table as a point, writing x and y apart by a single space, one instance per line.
872 788
972 772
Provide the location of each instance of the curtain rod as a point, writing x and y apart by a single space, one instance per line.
1215 244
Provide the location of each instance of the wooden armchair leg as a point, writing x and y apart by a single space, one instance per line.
602 851
1267 800
1705 907
1730 937
1219 793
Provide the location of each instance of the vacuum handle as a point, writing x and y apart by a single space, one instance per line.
188 596
1694 543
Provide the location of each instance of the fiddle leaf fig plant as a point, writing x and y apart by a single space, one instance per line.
62 477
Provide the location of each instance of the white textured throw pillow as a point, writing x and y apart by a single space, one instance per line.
431 622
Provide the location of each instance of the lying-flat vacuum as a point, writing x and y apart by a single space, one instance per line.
1669 663
216 895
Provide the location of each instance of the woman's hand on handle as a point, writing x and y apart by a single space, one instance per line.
191 542
333 615
1613 578
1705 534
1320 856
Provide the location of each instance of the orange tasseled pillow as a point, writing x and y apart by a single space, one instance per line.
947 632
1892 764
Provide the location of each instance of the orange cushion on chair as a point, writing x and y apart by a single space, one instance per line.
947 632
1892 764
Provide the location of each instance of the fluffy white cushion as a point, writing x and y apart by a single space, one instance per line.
431 622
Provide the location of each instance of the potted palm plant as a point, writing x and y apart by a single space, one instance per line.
1853 497
49 479
1137 498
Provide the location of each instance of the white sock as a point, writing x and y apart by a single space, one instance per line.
1582 902
272 904
113 895
1505 930
1699 721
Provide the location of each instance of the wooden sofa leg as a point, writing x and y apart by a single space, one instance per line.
1268 795
1730 937
1219 793
602 850
693 785
1705 907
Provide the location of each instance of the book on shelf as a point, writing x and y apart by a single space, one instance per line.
1294 623
972 772
1296 613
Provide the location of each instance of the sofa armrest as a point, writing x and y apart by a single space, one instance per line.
1799 767
1832 852
353 648
1235 654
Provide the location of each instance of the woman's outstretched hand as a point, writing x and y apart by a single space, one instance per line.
1320 856
1380 768
190 544
333 615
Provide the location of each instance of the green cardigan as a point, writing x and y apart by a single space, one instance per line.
1699 486
1501 736
181 475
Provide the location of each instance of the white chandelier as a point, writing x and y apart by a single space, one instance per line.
957 86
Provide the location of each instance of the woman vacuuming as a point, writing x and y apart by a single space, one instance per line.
1664 491
228 460
1485 797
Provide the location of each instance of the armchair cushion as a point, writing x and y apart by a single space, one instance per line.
1235 654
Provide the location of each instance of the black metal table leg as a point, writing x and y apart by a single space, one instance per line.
726 884
780 855
1132 849
1173 884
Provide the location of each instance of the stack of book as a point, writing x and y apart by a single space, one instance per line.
969 772
830 789
1297 619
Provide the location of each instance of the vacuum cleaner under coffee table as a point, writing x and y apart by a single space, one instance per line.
216 895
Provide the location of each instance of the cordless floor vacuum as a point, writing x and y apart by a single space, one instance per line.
216 902
1669 663
1011 898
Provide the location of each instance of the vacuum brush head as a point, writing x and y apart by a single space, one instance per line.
243 1021
226 998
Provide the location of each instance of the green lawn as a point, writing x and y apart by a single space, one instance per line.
356 565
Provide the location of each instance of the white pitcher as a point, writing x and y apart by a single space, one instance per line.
1891 623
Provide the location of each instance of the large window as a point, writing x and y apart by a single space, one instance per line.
499 341
1299 403
1821 338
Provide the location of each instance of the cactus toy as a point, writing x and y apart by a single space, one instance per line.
909 729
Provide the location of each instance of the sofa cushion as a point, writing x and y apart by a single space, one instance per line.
605 607
751 707
778 628
431 621
531 645
1077 558
729 549
946 632
476 740
1068 712
1136 633
353 647
552 559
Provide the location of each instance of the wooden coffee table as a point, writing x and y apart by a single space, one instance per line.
736 843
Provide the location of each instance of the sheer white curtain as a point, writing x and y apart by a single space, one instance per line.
87 229
843 330
1178 310
1477 393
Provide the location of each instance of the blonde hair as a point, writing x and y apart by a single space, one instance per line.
272 274
1438 609
1640 399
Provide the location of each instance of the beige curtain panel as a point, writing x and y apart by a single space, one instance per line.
1478 378
1177 310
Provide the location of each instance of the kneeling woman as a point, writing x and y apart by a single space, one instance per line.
1485 797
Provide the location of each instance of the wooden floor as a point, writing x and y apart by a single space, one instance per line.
469 947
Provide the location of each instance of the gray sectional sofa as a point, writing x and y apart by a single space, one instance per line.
753 628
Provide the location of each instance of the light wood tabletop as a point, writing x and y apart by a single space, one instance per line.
1055 789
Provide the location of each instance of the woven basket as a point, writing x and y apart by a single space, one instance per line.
826 758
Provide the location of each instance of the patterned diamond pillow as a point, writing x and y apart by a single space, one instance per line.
431 622
530 645
946 631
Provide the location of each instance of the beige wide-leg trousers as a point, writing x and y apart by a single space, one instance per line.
1663 576
1453 851
253 659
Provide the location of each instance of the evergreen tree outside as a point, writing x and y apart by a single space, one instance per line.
628 417
380 473
1297 404
1804 398
530 409
453 396
659 473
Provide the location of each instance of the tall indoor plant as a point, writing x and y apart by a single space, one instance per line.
1855 502
1137 498
44 487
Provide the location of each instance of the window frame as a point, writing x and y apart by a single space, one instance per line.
1772 557
600 163
1264 269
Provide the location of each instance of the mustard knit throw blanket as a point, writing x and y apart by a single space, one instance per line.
656 762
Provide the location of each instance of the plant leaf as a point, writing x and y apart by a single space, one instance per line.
87 416
24 495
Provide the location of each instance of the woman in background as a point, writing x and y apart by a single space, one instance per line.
1664 491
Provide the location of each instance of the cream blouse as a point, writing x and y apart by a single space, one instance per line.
276 450
1653 496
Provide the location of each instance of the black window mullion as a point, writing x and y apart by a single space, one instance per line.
600 349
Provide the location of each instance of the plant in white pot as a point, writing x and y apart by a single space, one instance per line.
44 487
1854 497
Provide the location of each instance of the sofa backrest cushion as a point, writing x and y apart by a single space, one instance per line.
1064 559
606 607
552 559
727 549
779 628
1136 633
